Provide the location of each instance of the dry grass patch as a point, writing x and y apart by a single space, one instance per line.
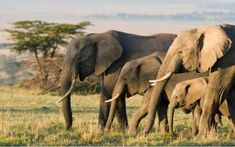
29 117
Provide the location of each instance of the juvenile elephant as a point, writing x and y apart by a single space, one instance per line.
189 95
105 54
210 49
134 79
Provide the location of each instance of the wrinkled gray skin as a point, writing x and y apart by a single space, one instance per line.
134 79
189 95
204 49
105 54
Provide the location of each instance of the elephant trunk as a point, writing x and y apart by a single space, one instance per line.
170 116
118 90
111 114
171 64
66 81
68 92
154 101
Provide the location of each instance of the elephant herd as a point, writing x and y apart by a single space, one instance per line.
193 70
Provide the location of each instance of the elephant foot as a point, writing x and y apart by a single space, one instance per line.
101 123
106 130
213 131
163 128
100 127
195 132
172 134
200 136
124 127
132 130
132 127
68 126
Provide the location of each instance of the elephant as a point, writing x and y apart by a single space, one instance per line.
202 49
133 79
105 54
189 95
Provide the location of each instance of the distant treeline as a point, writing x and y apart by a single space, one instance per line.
193 16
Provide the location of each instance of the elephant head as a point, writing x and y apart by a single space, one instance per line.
185 94
192 50
86 55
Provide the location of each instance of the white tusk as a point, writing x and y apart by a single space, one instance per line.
152 81
110 100
69 91
153 84
164 77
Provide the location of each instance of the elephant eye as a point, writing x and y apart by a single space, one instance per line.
180 53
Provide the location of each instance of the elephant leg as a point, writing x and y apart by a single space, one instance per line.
219 85
213 125
121 112
162 115
196 119
231 106
108 84
104 107
140 113
218 119
215 121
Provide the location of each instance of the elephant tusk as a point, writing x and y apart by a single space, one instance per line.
164 77
152 81
152 84
110 100
69 91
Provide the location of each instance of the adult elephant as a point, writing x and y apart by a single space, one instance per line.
203 49
105 54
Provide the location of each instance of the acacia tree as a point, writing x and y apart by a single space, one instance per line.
42 38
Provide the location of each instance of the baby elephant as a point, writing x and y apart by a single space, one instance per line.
189 95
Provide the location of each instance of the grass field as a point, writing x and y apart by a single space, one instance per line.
28 117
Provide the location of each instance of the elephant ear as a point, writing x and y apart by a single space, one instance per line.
214 44
148 71
108 50
195 90
191 97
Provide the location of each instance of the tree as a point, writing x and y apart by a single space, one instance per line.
42 38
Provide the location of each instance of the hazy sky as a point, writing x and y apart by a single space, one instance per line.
134 16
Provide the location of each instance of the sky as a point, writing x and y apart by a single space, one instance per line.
142 17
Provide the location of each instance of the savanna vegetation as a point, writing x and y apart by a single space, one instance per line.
31 117
45 42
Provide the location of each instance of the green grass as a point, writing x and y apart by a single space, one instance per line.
29 117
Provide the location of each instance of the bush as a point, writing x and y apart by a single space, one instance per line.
52 68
